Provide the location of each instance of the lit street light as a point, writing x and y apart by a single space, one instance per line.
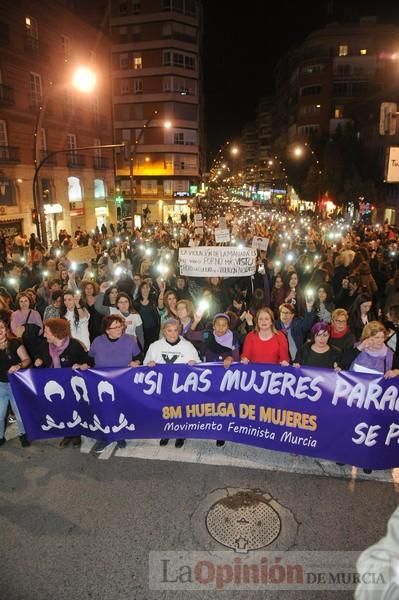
84 80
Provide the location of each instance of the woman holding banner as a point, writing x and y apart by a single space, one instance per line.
171 349
115 349
60 350
265 344
318 352
373 356
13 357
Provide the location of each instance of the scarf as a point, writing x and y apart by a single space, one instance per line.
339 334
381 353
225 340
56 351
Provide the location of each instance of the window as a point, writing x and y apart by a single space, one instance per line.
123 34
74 189
343 51
339 112
4 152
360 88
126 135
167 84
178 59
123 8
309 130
178 138
31 27
66 47
166 30
124 60
166 58
136 32
71 145
363 51
311 90
311 69
35 89
310 109
99 189
137 62
136 7
97 151
149 187
138 86
124 87
340 89
343 69
189 62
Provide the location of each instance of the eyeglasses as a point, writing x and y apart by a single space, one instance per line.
285 312
342 321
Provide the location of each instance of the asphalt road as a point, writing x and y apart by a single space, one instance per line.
75 527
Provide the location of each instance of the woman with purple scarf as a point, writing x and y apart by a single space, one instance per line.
218 345
60 350
373 354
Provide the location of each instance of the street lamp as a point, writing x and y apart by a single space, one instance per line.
83 79
298 152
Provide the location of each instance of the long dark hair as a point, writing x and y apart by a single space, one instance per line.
63 308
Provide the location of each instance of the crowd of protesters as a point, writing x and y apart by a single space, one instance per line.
324 294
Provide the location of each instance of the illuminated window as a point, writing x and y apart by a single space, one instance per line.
137 62
363 51
338 112
31 27
99 189
74 189
343 51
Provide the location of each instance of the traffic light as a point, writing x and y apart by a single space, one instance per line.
34 216
388 115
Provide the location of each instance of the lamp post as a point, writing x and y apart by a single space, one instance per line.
84 80
132 156
298 153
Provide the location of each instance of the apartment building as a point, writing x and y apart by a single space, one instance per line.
157 102
42 44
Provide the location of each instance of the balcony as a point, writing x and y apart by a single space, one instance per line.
75 160
100 162
9 154
51 161
6 95
36 48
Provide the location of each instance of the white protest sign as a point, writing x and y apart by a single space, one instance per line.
260 243
198 220
222 235
83 254
217 261
199 231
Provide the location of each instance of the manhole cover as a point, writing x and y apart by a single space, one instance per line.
244 521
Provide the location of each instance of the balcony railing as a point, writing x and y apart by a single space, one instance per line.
6 94
75 160
100 162
52 160
9 154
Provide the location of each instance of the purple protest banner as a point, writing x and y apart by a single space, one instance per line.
345 417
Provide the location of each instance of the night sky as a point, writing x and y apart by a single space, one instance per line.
242 44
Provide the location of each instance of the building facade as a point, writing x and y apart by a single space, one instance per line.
42 43
157 102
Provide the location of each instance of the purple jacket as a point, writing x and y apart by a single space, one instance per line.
380 364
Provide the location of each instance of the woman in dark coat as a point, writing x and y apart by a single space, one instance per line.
59 350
